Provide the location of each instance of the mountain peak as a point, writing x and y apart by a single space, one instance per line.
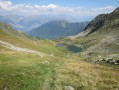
101 21
57 29
116 10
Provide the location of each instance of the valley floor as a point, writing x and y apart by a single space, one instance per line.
24 71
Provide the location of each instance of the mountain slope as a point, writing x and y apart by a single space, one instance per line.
104 21
57 29
100 36
105 29
8 29
21 40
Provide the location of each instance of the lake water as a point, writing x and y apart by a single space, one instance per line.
71 48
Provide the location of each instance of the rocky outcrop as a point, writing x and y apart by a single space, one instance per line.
102 20
109 60
96 23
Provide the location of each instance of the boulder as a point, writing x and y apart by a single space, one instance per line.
109 60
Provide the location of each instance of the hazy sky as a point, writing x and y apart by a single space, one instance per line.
72 3
66 8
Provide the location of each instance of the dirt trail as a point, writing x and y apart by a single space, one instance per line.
16 48
46 85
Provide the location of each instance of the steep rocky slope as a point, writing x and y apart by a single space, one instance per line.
103 31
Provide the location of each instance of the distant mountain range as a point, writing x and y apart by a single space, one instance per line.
57 29
23 23
28 23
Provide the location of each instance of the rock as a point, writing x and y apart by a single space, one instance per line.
101 59
45 62
68 88
117 61
5 88
99 56
109 60
113 61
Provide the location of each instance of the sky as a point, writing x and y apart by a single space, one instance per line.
66 8
72 3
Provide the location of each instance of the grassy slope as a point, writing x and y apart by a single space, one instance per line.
21 71
24 71
38 45
86 76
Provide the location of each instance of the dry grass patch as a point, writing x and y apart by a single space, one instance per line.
85 76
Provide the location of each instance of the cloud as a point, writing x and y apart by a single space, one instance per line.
7 7
51 6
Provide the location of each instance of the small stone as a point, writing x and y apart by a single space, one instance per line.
113 61
5 88
109 59
68 88
71 88
45 62
101 59
99 56
116 63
